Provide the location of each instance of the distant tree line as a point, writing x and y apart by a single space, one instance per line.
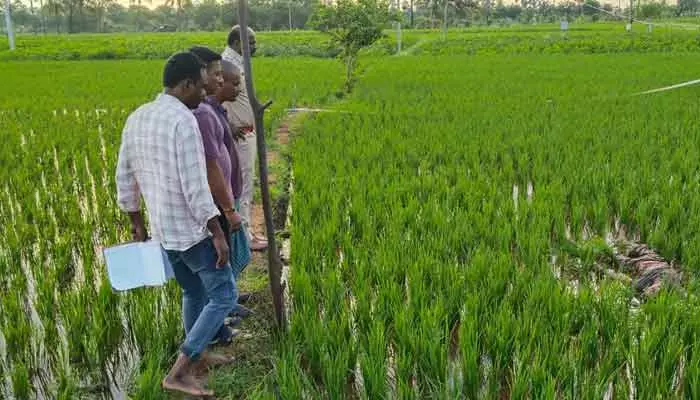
431 13
73 16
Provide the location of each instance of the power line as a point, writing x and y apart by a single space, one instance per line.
687 26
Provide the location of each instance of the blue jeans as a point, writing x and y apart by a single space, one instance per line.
208 294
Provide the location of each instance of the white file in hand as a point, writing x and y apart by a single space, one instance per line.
137 264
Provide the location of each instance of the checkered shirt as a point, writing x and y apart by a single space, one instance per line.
240 113
162 159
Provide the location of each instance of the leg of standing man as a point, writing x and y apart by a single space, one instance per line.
206 292
247 152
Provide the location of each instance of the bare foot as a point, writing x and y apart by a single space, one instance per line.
198 369
187 385
216 360
258 245
259 238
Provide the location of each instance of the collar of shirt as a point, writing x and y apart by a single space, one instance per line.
233 56
214 103
170 100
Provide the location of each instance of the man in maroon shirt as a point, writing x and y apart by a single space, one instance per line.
222 164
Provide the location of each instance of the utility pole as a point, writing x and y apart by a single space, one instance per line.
398 28
487 5
398 38
411 3
444 32
8 25
631 13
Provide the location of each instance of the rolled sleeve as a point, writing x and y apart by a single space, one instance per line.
192 170
128 193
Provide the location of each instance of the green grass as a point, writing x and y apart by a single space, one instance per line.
254 348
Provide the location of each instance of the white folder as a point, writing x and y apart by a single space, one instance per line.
137 264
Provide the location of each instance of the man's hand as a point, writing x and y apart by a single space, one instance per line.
222 250
138 233
239 134
220 240
138 227
234 220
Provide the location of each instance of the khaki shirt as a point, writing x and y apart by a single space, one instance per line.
240 113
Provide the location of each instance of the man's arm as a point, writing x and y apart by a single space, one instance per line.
231 117
138 226
128 193
220 189
192 170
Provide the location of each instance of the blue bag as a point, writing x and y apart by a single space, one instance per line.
240 251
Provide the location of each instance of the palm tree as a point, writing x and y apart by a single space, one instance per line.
100 10
179 6
138 12
55 7
42 16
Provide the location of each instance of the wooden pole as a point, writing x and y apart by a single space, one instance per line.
275 265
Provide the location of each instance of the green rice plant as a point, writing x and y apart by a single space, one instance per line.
437 198
470 348
289 375
147 383
374 362
21 386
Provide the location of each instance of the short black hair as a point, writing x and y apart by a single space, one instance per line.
181 67
235 34
205 54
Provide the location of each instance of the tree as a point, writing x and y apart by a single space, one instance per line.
56 8
352 25
100 8
651 10
206 15
688 7
179 6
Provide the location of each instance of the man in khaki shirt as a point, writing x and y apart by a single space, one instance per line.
242 120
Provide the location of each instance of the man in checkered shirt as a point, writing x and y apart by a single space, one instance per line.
162 160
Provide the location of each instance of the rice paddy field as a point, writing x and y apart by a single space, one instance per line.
431 228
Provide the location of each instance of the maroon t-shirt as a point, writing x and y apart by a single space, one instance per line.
216 137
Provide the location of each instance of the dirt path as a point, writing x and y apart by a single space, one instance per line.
254 347
274 160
